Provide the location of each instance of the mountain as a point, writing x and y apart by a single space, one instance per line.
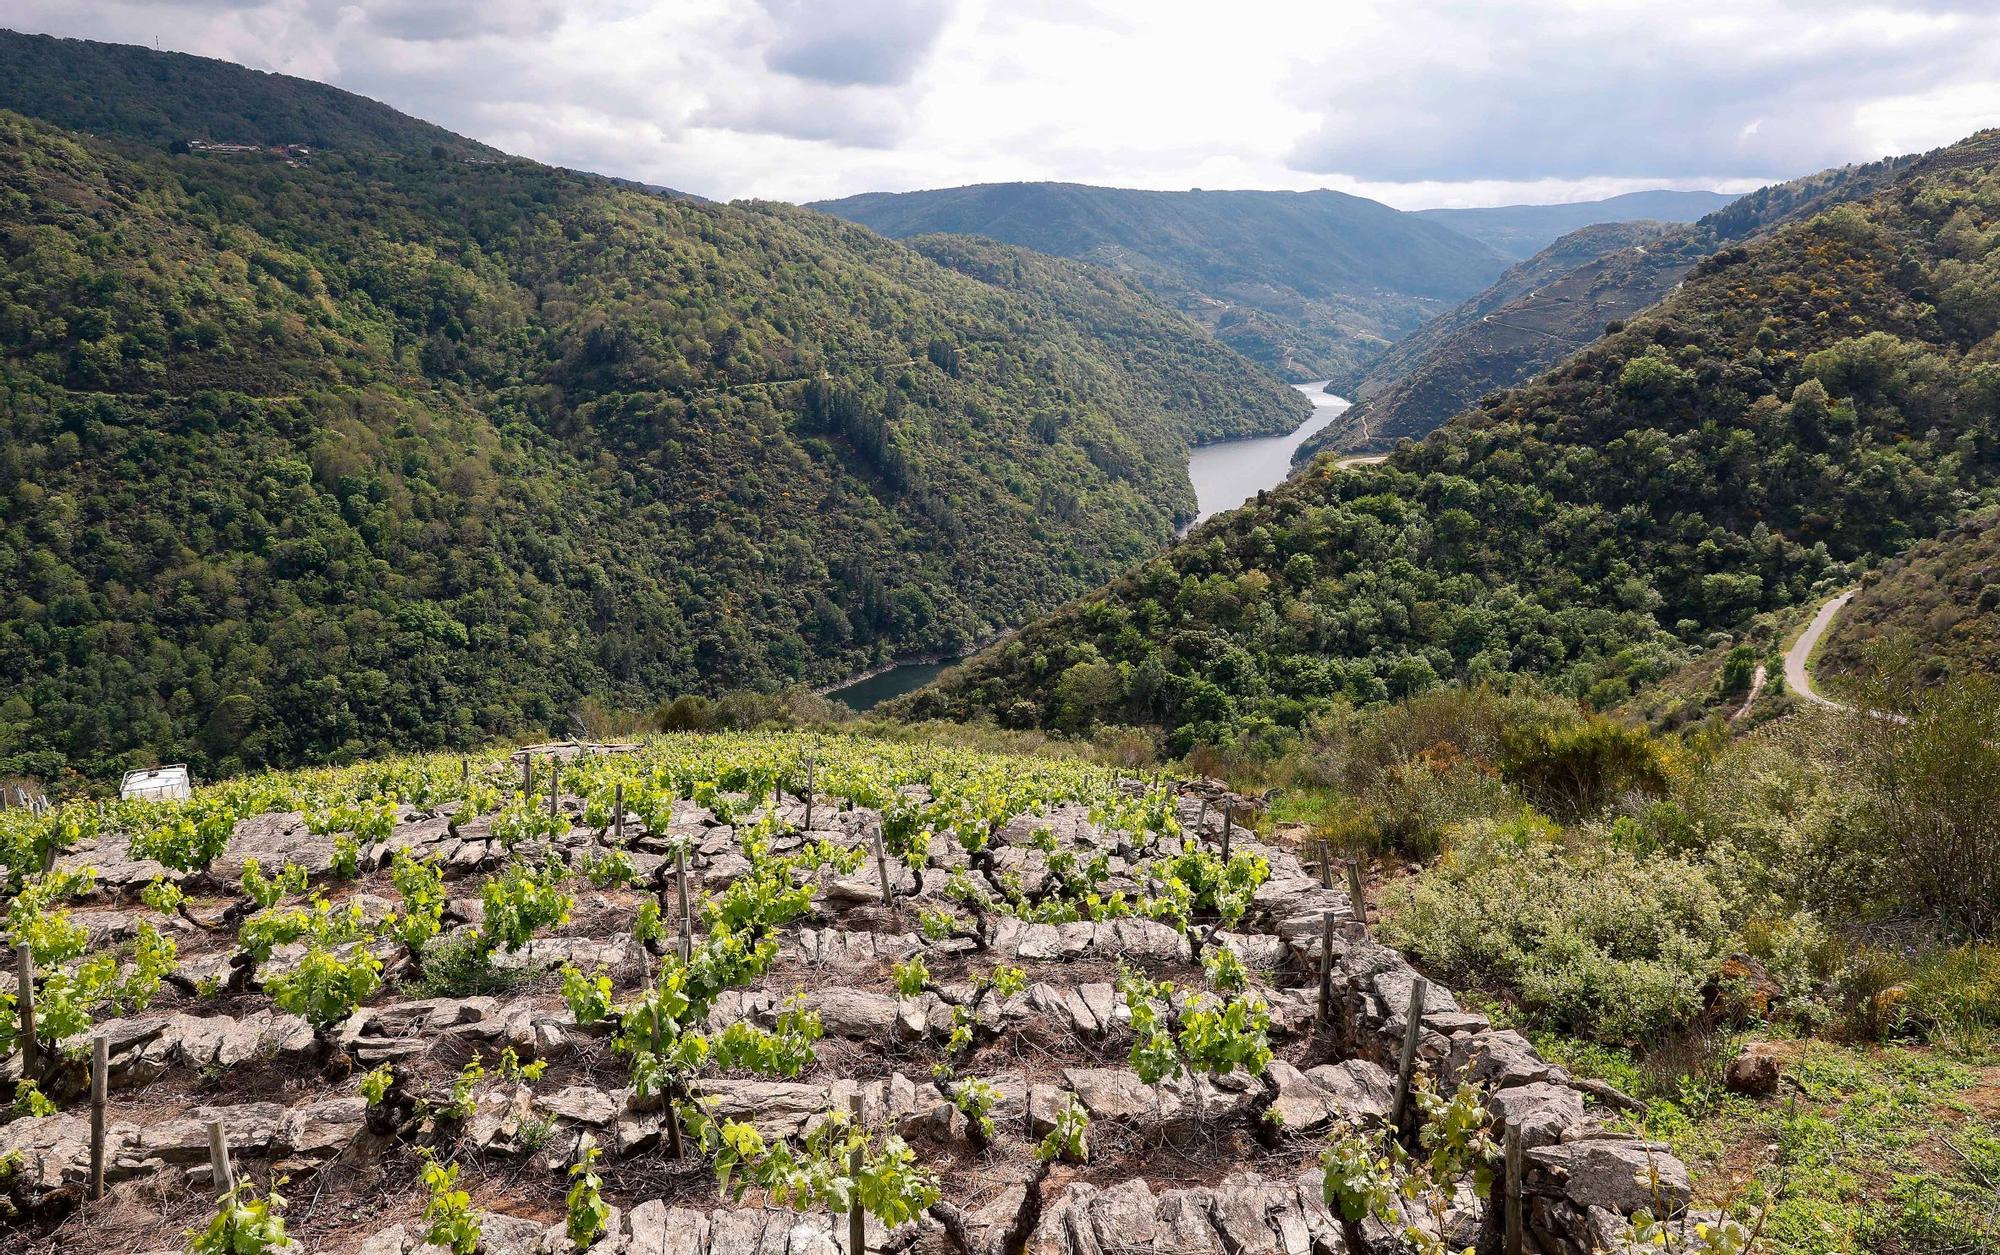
123 92
1936 607
1521 231
404 448
1555 303
1818 395
1312 284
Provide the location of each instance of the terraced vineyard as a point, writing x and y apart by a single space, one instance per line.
707 993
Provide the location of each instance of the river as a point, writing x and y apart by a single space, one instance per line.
1230 472
1225 475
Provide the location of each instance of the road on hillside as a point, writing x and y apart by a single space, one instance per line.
1796 678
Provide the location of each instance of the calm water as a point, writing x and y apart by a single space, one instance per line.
896 681
1231 472
1225 475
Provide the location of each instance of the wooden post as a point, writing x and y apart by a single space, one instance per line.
1326 967
555 782
527 774
1227 812
24 1004
1200 826
681 878
1326 864
882 868
464 769
1357 895
1514 1165
100 1076
857 1220
809 793
218 1159
687 938
1406 1069
618 814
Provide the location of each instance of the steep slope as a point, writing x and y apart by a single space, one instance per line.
1521 231
1313 284
1514 329
1817 395
1936 607
404 450
124 92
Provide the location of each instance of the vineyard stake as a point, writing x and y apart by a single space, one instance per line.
1514 1189
1326 864
1228 812
24 1002
1326 967
464 769
857 1220
1357 894
618 814
555 783
218 1158
1407 1067
809 793
100 1075
1200 828
681 879
527 774
882 868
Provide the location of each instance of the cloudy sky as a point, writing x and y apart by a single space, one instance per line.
1415 102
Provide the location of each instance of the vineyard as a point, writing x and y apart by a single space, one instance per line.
756 995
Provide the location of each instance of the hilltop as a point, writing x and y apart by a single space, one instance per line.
1803 400
1312 284
397 448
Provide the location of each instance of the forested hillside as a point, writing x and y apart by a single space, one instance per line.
1933 614
1563 299
1312 284
1817 395
400 449
118 91
1521 231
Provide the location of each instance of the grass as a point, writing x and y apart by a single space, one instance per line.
1891 1149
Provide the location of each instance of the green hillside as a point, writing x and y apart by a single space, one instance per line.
398 449
1564 298
1521 231
1935 609
1312 284
1809 398
119 91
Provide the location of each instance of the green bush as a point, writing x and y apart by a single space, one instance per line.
1596 941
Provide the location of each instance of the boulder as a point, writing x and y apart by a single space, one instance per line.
1617 1173
1753 1071
1541 1111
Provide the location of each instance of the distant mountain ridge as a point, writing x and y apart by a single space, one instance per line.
1521 231
125 92
1312 284
1560 301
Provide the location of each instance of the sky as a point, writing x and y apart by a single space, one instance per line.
1417 103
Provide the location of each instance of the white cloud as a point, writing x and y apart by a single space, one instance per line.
1417 103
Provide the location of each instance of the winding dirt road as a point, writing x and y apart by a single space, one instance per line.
1796 677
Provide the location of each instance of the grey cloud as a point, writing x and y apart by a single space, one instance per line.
858 119
1522 98
877 43
461 19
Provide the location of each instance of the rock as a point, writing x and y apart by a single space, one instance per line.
857 1013
585 1104
1745 987
1620 1174
653 1228
1300 1104
1115 1093
1356 1087
1541 1111
1753 1071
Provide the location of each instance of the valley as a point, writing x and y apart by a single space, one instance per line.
923 722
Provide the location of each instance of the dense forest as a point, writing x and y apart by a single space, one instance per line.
1564 298
1814 397
1929 617
1312 284
404 448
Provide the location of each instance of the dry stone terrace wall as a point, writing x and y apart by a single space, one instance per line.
1226 1165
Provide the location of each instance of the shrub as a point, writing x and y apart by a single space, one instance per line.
1599 941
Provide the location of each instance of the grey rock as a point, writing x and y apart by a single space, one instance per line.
1356 1087
1541 1111
1619 1174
